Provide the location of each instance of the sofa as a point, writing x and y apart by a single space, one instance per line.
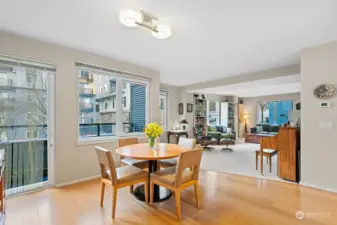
265 128
220 132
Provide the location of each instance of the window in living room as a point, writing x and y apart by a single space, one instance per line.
279 111
100 113
213 112
163 109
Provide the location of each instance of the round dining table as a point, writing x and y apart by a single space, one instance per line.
144 152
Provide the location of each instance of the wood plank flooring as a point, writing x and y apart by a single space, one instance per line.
225 199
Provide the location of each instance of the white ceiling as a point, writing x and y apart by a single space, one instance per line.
211 39
273 86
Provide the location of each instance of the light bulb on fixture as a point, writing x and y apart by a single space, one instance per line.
130 18
162 32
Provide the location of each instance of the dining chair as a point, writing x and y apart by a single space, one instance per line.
180 177
188 143
142 164
118 177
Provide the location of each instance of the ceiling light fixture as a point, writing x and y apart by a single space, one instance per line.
132 18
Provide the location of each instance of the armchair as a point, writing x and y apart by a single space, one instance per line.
202 139
220 132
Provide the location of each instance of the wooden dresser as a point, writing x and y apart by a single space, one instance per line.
287 143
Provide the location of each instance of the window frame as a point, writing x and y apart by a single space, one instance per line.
147 105
274 102
32 130
120 79
166 94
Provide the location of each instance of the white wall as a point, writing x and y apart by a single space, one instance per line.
250 109
73 161
319 147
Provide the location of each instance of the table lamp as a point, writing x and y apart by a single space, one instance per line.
184 124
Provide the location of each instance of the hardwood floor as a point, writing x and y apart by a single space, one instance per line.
225 199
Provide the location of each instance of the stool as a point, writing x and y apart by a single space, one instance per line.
227 142
269 153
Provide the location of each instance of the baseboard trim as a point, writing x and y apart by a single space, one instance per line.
318 187
77 181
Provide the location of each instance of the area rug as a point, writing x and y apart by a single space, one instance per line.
241 161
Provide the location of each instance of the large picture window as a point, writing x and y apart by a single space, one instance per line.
274 112
279 111
100 112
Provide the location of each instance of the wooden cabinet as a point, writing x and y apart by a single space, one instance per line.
287 143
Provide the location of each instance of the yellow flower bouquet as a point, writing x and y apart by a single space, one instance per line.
153 130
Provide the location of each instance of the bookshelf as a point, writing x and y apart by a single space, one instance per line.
200 113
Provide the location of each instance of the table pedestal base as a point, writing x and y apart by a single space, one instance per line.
159 193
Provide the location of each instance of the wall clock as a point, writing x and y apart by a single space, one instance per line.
324 91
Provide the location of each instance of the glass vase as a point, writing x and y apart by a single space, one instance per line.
152 142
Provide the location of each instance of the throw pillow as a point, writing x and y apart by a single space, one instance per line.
219 129
259 129
210 128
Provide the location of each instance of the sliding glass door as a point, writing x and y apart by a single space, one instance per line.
26 123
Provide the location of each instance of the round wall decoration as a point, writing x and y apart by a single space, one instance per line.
324 91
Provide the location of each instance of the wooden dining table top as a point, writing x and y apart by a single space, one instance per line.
144 152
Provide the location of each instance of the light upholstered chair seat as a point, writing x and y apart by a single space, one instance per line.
142 164
187 143
126 174
168 176
118 177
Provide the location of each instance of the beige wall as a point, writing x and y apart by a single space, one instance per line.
72 161
319 147
172 109
250 108
173 99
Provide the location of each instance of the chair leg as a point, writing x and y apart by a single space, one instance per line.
270 164
146 185
151 192
114 200
196 192
256 160
131 189
177 195
102 193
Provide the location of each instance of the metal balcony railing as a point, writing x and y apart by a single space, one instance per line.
86 107
86 91
7 102
87 77
88 130
26 162
6 82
